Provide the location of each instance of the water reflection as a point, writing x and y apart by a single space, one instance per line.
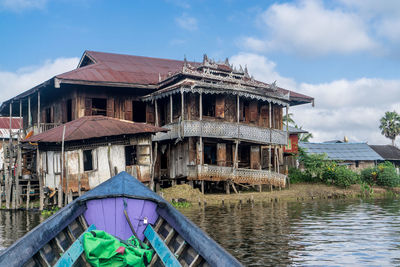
323 233
14 224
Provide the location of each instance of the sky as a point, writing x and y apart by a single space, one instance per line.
344 53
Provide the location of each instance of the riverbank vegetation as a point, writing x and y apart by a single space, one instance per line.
318 169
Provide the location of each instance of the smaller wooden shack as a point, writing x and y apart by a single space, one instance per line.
95 148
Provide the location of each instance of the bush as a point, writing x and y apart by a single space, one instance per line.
369 175
345 177
387 175
297 176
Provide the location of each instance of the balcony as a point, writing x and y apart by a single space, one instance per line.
43 127
223 130
241 176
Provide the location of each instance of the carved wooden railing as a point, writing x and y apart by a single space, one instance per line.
223 130
44 127
237 175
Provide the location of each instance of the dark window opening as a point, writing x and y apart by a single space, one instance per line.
99 106
246 111
130 155
244 156
176 106
229 155
210 154
69 110
139 111
48 115
208 105
87 160
163 114
164 161
357 163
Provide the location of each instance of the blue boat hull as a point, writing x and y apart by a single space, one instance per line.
104 207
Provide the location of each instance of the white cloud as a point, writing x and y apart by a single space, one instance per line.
261 68
349 108
307 27
19 5
187 22
14 83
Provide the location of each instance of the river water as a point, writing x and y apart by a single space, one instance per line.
319 233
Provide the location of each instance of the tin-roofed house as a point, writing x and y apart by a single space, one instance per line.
96 148
355 155
388 153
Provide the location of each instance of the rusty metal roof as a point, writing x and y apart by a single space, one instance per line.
16 123
93 127
117 68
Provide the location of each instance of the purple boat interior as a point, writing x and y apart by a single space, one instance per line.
108 214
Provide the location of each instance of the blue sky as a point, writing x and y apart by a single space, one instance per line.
344 52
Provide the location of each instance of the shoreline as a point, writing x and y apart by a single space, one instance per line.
296 193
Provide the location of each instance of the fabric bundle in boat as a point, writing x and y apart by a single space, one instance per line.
103 249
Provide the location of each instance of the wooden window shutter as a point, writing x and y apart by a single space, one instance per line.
220 106
264 116
253 111
110 107
150 113
88 107
128 110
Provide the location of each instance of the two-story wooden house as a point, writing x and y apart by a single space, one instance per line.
224 125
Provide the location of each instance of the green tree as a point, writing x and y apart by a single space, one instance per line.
304 137
288 118
390 125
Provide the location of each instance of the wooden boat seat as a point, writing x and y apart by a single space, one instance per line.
163 252
74 251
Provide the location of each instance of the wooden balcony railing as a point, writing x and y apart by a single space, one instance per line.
223 130
44 127
237 175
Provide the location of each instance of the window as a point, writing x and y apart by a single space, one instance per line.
44 162
89 160
210 154
57 163
69 110
208 105
139 111
130 155
99 106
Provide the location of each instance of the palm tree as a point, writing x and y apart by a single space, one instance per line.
304 137
288 118
390 125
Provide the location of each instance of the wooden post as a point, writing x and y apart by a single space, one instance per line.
38 113
79 176
109 160
9 180
270 137
201 106
287 123
171 110
153 165
202 187
182 105
29 112
19 159
40 177
227 187
60 186
156 111
28 194
67 196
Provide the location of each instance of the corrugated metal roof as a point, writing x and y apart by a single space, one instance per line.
388 152
342 151
16 123
294 130
93 127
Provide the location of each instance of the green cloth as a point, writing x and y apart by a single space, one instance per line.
101 250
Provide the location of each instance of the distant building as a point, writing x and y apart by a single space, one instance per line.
292 148
355 155
16 125
388 153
